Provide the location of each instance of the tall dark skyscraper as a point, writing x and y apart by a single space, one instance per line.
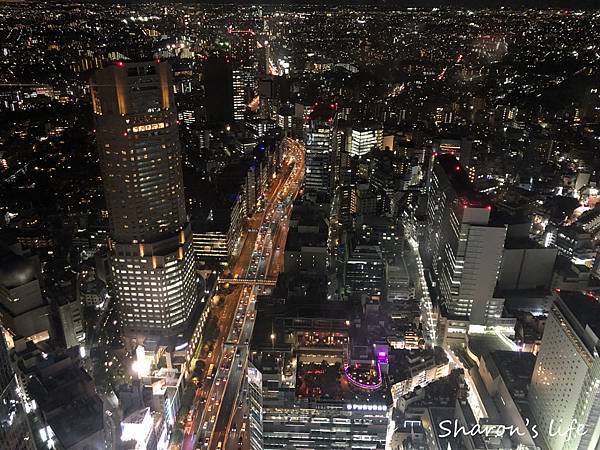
138 142
218 79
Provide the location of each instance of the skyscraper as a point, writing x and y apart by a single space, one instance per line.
466 250
239 94
218 80
321 142
565 387
150 237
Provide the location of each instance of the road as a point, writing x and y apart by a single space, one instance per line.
219 422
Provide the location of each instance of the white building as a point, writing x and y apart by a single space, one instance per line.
466 250
365 138
419 369
71 319
565 387
239 95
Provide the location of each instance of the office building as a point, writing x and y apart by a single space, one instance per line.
459 148
465 250
296 402
365 138
239 94
150 237
411 369
210 247
306 244
526 265
365 272
506 376
321 141
576 243
565 387
217 77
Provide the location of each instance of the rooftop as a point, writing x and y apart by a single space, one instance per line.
515 368
322 381
585 308
297 239
405 363
459 179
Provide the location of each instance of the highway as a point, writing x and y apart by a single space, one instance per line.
219 421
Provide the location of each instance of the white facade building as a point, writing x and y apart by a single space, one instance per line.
565 387
364 139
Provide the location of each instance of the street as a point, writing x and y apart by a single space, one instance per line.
218 419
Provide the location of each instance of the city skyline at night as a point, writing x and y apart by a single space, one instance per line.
276 226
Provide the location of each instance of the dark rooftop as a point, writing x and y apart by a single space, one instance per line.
296 239
516 369
585 308
458 178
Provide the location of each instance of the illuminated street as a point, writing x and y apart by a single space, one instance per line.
217 402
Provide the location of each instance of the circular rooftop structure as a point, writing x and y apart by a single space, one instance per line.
16 270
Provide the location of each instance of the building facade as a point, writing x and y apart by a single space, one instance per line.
465 250
151 241
365 138
321 143
278 419
565 387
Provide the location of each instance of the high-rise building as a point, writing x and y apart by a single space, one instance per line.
15 430
565 387
466 250
321 141
365 138
239 94
210 247
263 55
217 77
460 148
150 237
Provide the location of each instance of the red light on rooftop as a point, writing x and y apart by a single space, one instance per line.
488 207
120 64
457 168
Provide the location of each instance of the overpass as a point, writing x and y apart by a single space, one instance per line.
249 281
